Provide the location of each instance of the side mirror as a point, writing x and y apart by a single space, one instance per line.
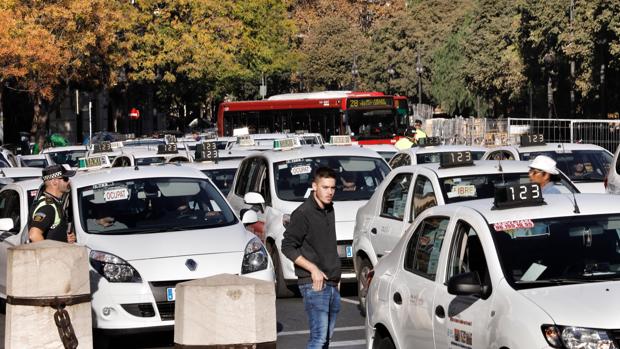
249 217
6 224
467 284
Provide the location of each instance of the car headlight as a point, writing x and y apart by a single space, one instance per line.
570 337
113 268
255 257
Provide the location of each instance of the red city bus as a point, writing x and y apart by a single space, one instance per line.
369 117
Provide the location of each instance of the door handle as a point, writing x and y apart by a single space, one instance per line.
373 230
398 299
439 312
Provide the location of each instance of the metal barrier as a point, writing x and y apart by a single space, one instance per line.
497 132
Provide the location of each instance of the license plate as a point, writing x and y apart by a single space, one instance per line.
171 294
349 251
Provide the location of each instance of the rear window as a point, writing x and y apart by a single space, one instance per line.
579 165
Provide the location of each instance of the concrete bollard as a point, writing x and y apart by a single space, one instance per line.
225 311
39 275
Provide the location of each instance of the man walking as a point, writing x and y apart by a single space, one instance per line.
47 218
310 242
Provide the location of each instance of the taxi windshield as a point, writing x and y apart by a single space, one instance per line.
150 161
151 205
357 177
429 158
42 163
482 186
579 165
69 157
558 251
222 178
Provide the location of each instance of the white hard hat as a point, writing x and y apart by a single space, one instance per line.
544 163
249 217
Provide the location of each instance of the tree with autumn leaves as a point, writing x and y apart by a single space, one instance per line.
477 55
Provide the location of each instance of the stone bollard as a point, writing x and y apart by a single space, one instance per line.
225 311
39 276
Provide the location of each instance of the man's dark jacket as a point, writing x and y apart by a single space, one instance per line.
312 234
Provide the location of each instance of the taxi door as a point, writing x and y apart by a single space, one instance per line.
12 205
413 287
392 218
464 321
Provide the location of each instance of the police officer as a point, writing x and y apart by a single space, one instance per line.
47 217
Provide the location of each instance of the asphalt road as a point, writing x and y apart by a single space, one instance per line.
292 327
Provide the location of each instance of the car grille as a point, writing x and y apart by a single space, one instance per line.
139 309
165 308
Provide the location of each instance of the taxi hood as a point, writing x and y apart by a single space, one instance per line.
170 244
591 305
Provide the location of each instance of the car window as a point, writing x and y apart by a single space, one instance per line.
244 180
151 205
501 155
357 177
424 247
10 208
222 178
579 165
466 254
423 195
395 197
262 181
69 157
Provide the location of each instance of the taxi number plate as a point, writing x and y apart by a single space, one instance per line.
171 294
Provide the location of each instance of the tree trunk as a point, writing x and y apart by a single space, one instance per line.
39 121
1 114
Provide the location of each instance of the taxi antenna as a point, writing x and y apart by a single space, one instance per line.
576 210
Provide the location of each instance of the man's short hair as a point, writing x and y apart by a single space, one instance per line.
324 172
417 121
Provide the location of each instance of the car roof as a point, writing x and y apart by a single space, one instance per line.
442 149
316 151
124 173
65 148
17 172
480 167
557 205
29 184
559 147
210 165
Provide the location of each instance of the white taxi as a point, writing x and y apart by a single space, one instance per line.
17 174
586 165
148 228
513 272
409 190
612 181
221 171
35 160
431 153
276 182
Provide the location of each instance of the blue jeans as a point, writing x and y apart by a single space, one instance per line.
321 308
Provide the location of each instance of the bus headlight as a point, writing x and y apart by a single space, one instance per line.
570 337
113 268
255 257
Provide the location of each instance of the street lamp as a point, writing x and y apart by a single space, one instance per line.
419 69
354 72
549 60
391 72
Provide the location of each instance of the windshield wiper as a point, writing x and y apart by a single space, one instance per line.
557 281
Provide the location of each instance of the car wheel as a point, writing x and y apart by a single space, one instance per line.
362 283
282 290
383 343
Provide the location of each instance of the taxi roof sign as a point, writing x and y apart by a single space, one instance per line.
102 147
206 151
170 139
245 140
284 144
429 141
455 159
528 140
517 195
340 140
93 162
169 148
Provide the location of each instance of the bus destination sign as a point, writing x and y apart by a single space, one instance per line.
370 102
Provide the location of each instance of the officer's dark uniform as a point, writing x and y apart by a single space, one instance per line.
47 213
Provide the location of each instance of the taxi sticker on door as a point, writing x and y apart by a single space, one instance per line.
116 194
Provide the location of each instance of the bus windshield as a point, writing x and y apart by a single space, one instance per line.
357 177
